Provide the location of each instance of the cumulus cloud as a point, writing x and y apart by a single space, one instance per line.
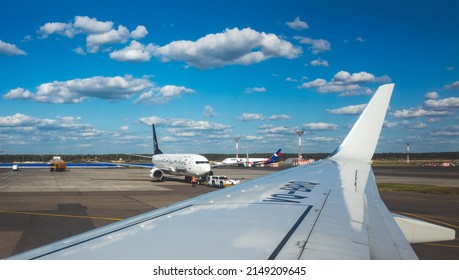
297 24
98 33
419 112
319 126
179 127
316 45
454 85
113 36
445 103
322 139
231 47
92 25
10 49
431 95
139 33
64 29
75 91
251 117
448 131
255 89
135 52
260 117
278 117
319 62
158 95
346 83
348 110
209 112
270 129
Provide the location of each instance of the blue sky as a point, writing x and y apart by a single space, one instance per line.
91 76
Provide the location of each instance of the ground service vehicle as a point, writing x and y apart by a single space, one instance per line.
58 165
221 181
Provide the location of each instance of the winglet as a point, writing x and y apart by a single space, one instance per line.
360 143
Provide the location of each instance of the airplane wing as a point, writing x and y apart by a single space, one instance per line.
330 209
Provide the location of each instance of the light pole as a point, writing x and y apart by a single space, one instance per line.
237 147
299 133
407 152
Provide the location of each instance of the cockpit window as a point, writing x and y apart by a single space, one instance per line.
200 162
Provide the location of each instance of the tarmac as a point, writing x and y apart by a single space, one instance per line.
38 207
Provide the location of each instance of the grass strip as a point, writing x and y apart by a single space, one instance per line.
427 189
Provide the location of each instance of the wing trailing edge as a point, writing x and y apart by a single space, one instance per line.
360 143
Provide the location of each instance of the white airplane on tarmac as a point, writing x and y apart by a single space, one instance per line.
329 209
250 162
187 165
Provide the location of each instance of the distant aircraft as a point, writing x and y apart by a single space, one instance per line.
249 162
329 209
187 165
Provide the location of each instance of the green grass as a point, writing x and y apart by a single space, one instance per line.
427 189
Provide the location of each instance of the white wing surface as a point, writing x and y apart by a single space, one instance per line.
329 209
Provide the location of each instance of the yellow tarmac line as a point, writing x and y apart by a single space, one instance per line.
59 215
426 218
442 245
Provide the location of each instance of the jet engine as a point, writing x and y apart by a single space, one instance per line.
156 174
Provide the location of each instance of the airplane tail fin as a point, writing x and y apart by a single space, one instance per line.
360 143
156 149
274 157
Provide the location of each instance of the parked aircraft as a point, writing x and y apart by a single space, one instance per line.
329 209
249 162
187 165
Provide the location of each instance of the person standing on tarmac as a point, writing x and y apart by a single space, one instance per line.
193 181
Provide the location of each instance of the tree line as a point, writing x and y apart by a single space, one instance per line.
6 158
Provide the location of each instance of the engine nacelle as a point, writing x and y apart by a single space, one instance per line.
156 174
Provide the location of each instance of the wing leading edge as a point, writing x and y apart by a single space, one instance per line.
329 209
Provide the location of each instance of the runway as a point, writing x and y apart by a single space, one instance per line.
38 207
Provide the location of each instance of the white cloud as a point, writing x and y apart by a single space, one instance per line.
114 36
260 117
278 117
348 110
445 103
233 46
319 62
209 112
297 24
135 52
187 124
317 45
64 29
10 49
270 129
98 33
419 112
449 131
346 83
139 33
322 139
255 89
454 85
92 25
75 91
431 95
251 117
419 125
319 126
160 95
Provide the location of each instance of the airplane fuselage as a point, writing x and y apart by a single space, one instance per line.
182 164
